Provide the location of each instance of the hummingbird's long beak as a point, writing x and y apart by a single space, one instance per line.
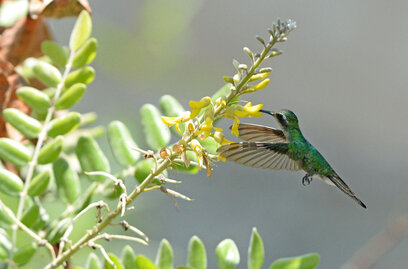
267 112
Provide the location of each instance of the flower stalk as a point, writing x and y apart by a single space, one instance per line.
40 141
199 124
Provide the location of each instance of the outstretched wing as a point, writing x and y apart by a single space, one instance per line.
260 155
260 133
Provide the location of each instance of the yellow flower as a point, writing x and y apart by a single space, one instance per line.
190 128
248 110
196 106
261 85
221 102
170 121
234 128
259 76
220 139
198 149
235 111
207 127
253 111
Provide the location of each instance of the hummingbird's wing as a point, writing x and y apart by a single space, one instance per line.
260 155
346 189
260 133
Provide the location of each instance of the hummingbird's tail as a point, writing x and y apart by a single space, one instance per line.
346 189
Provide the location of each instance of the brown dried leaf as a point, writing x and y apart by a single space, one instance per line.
9 82
23 40
57 8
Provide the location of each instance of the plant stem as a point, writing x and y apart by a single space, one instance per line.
92 188
160 168
248 76
27 230
94 232
40 141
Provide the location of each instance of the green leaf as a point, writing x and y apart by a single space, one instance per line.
57 231
227 254
34 98
143 262
115 261
43 220
84 75
197 256
223 91
14 152
255 251
51 151
156 133
10 183
86 199
93 262
5 245
64 124
91 157
39 183
67 181
164 258
86 53
50 92
71 96
26 69
210 145
55 52
142 169
47 73
81 32
31 215
12 11
25 124
112 191
88 118
128 257
25 253
120 141
172 108
307 261
5 222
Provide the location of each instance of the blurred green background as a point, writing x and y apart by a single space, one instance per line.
343 73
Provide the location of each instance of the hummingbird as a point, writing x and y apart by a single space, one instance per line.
288 149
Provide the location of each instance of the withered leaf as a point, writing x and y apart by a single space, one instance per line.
23 40
57 8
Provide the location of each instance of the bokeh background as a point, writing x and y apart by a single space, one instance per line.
344 73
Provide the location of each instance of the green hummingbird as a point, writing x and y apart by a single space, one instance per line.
270 148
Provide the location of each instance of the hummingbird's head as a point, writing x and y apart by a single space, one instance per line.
286 118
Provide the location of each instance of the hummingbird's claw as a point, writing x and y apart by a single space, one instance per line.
306 180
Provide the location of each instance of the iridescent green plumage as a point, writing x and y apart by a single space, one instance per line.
288 149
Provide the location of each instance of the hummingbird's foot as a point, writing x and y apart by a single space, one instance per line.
306 180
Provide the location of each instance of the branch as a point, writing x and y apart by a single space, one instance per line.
19 224
384 241
238 89
41 138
